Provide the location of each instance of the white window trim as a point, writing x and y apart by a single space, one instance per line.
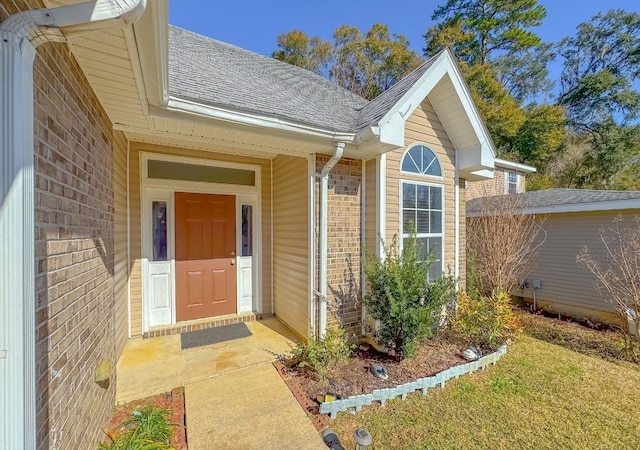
416 174
427 235
199 186
507 182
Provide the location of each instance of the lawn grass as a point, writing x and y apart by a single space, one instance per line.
539 395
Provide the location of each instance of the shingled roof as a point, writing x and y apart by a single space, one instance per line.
379 106
539 201
215 73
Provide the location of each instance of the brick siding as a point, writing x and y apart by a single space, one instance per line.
74 214
344 243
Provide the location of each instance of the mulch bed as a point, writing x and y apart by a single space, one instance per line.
173 401
355 378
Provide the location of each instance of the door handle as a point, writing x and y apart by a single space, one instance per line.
233 262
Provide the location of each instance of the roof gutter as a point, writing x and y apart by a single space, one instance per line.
180 106
20 35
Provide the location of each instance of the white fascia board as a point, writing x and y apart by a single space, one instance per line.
612 205
392 125
176 108
514 166
584 207
477 175
152 43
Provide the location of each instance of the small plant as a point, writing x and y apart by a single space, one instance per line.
485 321
147 429
400 297
324 354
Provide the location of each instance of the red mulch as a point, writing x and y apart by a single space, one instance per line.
354 378
173 401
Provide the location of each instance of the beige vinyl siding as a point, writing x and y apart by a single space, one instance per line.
566 286
370 204
423 126
120 262
136 239
291 248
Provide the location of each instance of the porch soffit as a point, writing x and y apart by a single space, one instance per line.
108 60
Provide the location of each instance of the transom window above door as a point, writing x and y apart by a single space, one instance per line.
421 160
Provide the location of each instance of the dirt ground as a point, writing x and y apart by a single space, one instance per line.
355 377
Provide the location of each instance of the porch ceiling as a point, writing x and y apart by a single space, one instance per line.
109 60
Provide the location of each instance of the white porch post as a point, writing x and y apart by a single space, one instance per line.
17 302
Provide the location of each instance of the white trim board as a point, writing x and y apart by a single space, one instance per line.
613 205
164 190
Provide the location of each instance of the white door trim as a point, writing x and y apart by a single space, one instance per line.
164 190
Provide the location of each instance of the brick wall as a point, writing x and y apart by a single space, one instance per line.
344 241
74 252
74 212
494 186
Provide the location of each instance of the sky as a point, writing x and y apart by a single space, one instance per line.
255 25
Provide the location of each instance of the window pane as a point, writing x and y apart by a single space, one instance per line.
408 220
435 247
167 170
433 168
422 224
408 195
411 161
422 248
247 230
435 200
159 229
423 196
436 222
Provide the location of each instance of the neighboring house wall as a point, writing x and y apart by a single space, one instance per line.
497 186
291 247
567 287
344 243
75 273
424 126
134 198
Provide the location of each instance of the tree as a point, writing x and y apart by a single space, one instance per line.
496 25
540 135
367 64
300 50
600 64
502 242
495 32
617 269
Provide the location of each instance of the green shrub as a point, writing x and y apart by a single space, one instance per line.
485 321
324 354
147 429
400 297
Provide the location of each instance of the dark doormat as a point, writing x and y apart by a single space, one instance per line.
210 336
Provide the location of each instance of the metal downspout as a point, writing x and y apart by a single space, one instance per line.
20 35
323 235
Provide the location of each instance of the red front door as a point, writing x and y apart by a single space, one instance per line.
205 255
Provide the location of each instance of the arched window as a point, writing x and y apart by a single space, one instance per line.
421 160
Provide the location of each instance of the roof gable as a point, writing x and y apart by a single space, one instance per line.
439 80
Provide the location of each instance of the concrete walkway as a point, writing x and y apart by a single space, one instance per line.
234 397
247 409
